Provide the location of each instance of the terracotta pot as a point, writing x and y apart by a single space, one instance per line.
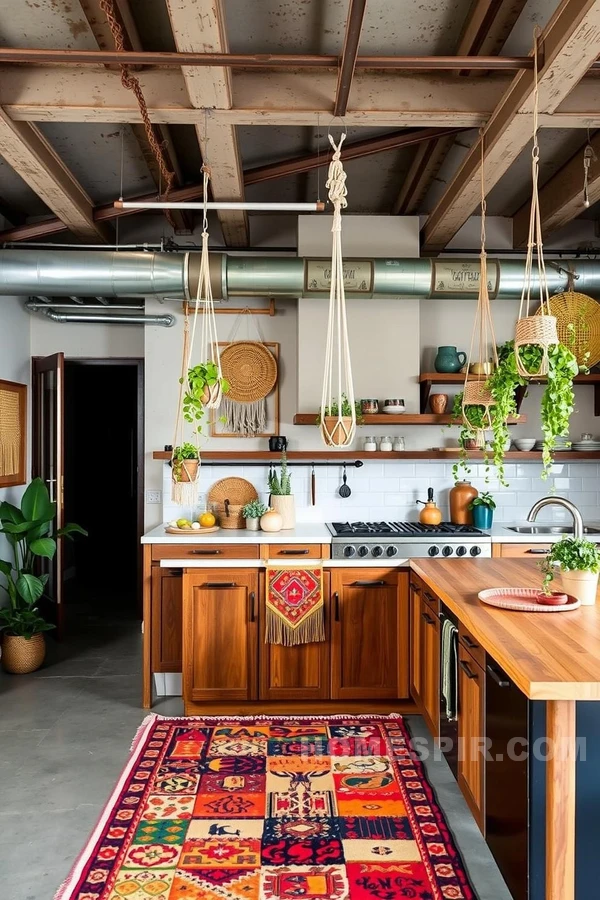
189 470
438 403
285 505
554 598
337 430
20 655
271 521
460 496
581 584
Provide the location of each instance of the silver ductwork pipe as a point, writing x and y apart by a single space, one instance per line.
101 318
84 273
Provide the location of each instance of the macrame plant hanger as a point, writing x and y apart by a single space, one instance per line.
337 430
185 476
475 391
540 330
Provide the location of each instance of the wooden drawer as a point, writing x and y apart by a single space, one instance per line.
431 599
205 551
293 551
526 551
471 645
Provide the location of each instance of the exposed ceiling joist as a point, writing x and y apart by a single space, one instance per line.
561 198
354 23
199 26
486 28
569 45
25 148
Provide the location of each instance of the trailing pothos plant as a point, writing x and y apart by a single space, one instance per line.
201 379
477 421
503 384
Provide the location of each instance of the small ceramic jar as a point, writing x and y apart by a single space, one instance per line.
386 444
369 444
398 445
369 407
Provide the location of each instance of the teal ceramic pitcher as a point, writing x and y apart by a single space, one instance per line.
448 359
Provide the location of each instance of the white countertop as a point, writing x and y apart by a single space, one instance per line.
313 533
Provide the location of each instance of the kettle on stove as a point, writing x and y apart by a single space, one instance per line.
431 514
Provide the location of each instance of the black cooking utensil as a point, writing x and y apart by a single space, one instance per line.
344 490
313 487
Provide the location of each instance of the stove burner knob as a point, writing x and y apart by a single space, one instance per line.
446 551
392 551
349 550
461 551
475 551
377 550
363 551
433 551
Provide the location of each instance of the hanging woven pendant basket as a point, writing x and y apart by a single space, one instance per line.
539 331
476 394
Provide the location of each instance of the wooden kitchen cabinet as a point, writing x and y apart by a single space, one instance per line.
369 634
220 634
471 728
430 665
415 588
301 672
166 604
521 551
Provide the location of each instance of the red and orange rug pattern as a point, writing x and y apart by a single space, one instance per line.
271 809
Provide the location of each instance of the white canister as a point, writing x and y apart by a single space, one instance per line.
581 584
399 445
369 444
385 444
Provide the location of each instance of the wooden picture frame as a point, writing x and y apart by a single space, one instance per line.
272 404
13 433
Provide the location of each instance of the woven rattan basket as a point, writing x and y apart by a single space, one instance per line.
578 325
538 330
475 393
237 491
20 655
229 515
251 370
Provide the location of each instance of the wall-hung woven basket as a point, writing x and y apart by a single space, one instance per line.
571 308
251 370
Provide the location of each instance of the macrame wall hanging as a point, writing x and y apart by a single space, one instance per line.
337 418
250 370
192 397
538 331
477 400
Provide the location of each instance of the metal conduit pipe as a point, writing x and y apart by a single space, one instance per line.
166 321
109 274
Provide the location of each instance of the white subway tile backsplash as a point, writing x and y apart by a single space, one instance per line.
427 470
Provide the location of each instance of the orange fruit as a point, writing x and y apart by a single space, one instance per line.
207 520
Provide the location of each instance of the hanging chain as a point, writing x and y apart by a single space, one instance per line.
131 83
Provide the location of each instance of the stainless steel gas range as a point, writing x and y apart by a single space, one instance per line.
406 540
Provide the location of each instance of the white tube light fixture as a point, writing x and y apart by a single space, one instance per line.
318 206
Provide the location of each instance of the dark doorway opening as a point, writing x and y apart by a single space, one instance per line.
103 487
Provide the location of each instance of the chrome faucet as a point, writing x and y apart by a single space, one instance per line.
558 501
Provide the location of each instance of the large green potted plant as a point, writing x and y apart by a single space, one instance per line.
204 389
27 530
579 564
282 499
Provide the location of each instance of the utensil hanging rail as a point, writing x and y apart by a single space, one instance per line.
356 463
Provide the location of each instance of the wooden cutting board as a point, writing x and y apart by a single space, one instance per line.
192 532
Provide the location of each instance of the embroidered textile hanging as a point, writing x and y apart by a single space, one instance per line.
295 609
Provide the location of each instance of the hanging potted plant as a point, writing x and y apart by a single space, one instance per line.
27 529
338 421
472 419
483 508
205 386
185 461
502 384
282 499
579 564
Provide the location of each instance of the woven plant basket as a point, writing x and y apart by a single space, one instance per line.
476 393
337 431
540 331
578 325
251 370
229 515
20 655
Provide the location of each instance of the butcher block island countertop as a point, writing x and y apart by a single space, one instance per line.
550 656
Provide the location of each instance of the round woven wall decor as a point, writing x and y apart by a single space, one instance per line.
250 369
237 490
583 313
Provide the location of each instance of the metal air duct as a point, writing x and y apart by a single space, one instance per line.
56 273
103 318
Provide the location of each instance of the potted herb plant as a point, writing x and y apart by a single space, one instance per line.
252 513
282 499
337 419
28 532
483 508
579 563
185 462
204 389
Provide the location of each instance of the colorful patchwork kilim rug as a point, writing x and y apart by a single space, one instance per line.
271 809
295 611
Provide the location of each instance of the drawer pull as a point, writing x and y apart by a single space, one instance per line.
176 573
293 552
336 599
219 584
206 552
415 588
427 618
368 584
499 681
467 669
468 643
430 598
252 598
540 551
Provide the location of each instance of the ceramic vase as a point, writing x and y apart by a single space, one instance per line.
449 360
483 517
285 505
271 521
581 584
460 496
253 524
438 403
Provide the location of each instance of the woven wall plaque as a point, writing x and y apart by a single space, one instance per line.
13 437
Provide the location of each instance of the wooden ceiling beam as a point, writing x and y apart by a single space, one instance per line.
488 24
354 23
24 147
199 26
561 198
568 45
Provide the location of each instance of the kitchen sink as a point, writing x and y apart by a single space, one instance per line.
550 529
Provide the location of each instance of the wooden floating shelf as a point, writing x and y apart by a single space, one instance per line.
309 456
401 419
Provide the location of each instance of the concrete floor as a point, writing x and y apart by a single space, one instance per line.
65 734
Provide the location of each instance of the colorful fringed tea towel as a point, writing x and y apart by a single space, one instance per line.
295 613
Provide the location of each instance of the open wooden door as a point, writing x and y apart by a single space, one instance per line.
48 464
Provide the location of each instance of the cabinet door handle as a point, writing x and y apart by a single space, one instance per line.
206 552
427 618
176 573
219 584
304 552
499 681
539 551
252 598
468 643
467 669
336 600
430 598
415 588
368 584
